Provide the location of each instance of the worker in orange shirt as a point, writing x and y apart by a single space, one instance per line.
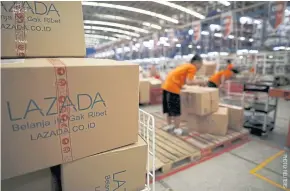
181 75
230 66
154 73
218 79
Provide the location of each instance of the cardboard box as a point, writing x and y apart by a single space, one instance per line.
236 116
216 124
58 110
35 181
53 29
144 91
155 83
120 169
199 100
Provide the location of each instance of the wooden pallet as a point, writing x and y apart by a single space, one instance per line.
172 152
208 143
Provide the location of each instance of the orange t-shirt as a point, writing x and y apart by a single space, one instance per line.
252 70
230 66
177 78
217 77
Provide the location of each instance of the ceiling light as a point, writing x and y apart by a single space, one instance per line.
178 7
270 56
116 25
198 47
224 53
190 32
152 25
204 32
190 46
166 44
251 40
178 45
134 39
218 35
225 3
288 48
242 38
122 36
231 36
253 51
175 39
132 9
100 37
111 30
214 27
203 55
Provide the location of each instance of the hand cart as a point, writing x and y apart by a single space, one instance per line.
260 124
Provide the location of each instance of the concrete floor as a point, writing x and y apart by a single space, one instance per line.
230 171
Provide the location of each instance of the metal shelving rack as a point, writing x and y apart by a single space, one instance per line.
266 124
147 132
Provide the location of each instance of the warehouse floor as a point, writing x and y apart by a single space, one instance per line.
230 170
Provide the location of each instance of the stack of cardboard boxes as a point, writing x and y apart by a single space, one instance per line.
201 110
150 91
63 115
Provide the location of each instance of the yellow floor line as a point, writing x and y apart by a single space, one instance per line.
270 181
262 165
267 161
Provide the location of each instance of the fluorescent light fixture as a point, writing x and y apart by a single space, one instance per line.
111 30
242 38
288 48
152 25
122 36
218 35
178 45
253 51
180 8
251 40
243 51
131 9
190 46
100 37
231 36
163 39
224 53
198 47
137 45
204 32
175 39
213 53
225 3
270 56
241 57
190 32
166 44
116 25
203 55
213 27
134 39
279 48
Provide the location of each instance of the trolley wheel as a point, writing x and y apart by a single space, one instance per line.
272 129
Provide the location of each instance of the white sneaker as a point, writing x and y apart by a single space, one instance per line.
180 132
168 128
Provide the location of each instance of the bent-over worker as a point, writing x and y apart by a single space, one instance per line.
218 79
181 75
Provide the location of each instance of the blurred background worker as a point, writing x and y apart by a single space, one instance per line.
181 75
218 79
154 73
230 66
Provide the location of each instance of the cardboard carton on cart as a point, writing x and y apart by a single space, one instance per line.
42 29
58 110
200 101
216 123
35 181
113 169
155 91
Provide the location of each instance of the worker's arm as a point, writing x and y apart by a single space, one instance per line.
190 79
223 79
